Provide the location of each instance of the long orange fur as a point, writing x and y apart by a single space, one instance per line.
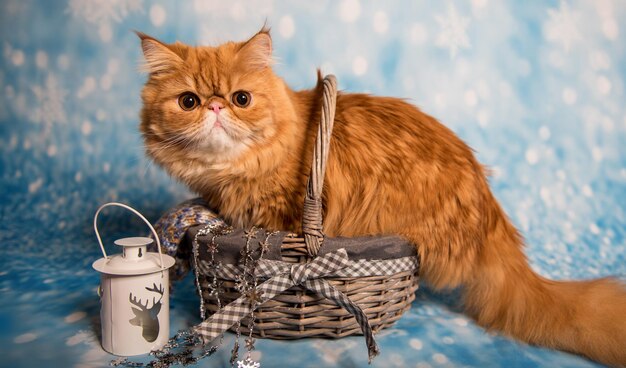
392 169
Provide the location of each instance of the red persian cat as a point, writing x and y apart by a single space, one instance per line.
220 120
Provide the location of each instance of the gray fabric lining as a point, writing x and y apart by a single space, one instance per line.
365 247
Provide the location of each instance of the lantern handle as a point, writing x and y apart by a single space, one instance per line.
156 237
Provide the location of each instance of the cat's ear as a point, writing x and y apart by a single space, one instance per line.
256 53
159 58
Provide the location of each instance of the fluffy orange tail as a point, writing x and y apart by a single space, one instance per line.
584 317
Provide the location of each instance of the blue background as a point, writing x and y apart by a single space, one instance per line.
536 88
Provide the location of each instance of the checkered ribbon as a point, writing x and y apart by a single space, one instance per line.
285 275
357 268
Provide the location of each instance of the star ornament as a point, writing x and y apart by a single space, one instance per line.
248 363
453 34
250 343
241 283
216 288
254 296
265 246
212 247
250 233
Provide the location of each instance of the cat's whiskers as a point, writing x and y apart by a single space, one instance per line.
170 133
176 137
157 148
169 143
148 164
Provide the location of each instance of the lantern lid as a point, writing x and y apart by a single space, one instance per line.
136 241
134 259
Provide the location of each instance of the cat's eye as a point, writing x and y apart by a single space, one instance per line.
188 101
242 98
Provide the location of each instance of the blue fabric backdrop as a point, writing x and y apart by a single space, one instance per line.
536 88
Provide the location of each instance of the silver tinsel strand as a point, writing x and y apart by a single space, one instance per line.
186 347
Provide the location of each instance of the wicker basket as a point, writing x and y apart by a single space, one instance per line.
298 312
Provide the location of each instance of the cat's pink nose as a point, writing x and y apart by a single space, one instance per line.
216 106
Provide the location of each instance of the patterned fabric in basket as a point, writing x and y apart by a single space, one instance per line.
172 227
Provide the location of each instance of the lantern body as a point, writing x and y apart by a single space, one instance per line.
134 295
134 313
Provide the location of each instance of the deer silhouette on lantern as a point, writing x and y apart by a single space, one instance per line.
147 318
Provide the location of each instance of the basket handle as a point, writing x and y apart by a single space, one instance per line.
312 212
156 236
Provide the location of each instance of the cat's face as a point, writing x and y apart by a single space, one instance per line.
214 102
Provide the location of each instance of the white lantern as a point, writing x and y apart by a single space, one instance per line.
134 293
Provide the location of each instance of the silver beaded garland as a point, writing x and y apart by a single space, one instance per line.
180 348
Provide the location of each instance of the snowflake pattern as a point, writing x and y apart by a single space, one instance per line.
104 11
50 99
453 34
563 26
